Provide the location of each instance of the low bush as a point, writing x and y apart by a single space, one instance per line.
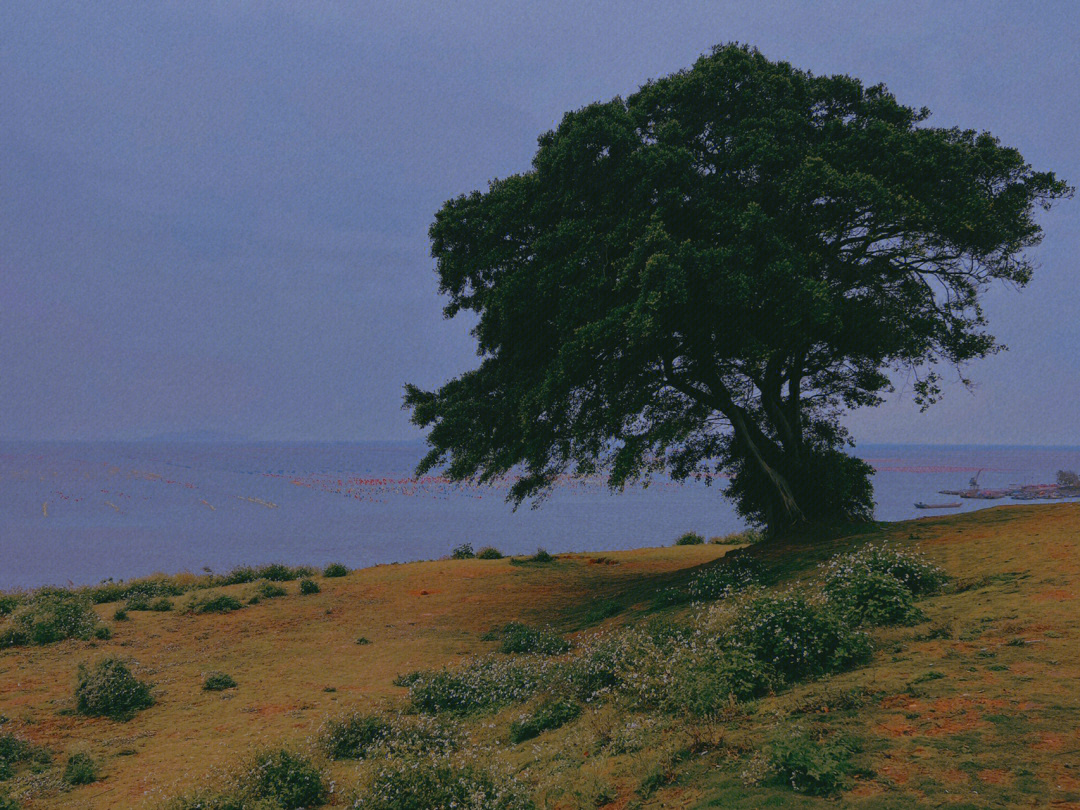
335 570
110 690
866 597
726 577
218 682
289 780
489 553
815 766
520 638
798 639
269 590
689 539
221 603
911 569
121 615
15 751
481 684
426 784
541 556
308 587
463 552
359 736
102 633
274 572
143 600
8 603
549 715
51 615
81 769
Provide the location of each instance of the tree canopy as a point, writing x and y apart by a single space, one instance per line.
699 278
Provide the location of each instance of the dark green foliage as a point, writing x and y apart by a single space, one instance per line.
218 682
363 640
423 784
598 611
108 689
335 570
81 769
463 552
15 751
270 590
873 599
814 766
290 780
308 587
8 603
520 638
274 572
699 276
549 715
102 633
489 553
541 556
222 603
51 615
140 589
690 539
796 638
121 615
353 737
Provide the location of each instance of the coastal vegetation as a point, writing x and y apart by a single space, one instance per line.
791 683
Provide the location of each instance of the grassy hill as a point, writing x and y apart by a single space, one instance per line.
971 701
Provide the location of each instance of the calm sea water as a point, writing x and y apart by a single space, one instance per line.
78 513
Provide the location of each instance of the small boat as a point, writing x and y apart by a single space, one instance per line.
921 505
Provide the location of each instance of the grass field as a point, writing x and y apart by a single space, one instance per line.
977 706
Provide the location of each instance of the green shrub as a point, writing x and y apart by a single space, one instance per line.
599 611
51 615
911 569
352 737
798 639
541 556
335 570
520 638
110 690
426 784
815 766
308 587
463 552
871 598
481 684
269 590
549 715
15 751
689 539
121 615
363 640
290 780
726 577
8 603
222 603
102 633
80 770
489 553
274 572
218 682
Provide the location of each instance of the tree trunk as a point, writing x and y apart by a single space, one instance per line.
783 511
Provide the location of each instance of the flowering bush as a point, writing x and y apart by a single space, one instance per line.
911 569
549 715
520 638
484 683
871 598
726 577
815 766
51 615
290 780
110 690
440 784
358 736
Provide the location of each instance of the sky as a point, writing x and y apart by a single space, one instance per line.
213 215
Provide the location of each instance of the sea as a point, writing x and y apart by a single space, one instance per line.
81 513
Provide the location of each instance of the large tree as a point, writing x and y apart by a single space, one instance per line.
701 277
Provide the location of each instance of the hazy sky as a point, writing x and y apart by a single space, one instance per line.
213 215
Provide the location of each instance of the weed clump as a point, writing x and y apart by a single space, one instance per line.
541 556
81 769
308 587
549 715
335 570
110 690
50 615
463 552
222 603
218 682
689 539
489 553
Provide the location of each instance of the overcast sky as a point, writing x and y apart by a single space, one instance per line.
213 216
